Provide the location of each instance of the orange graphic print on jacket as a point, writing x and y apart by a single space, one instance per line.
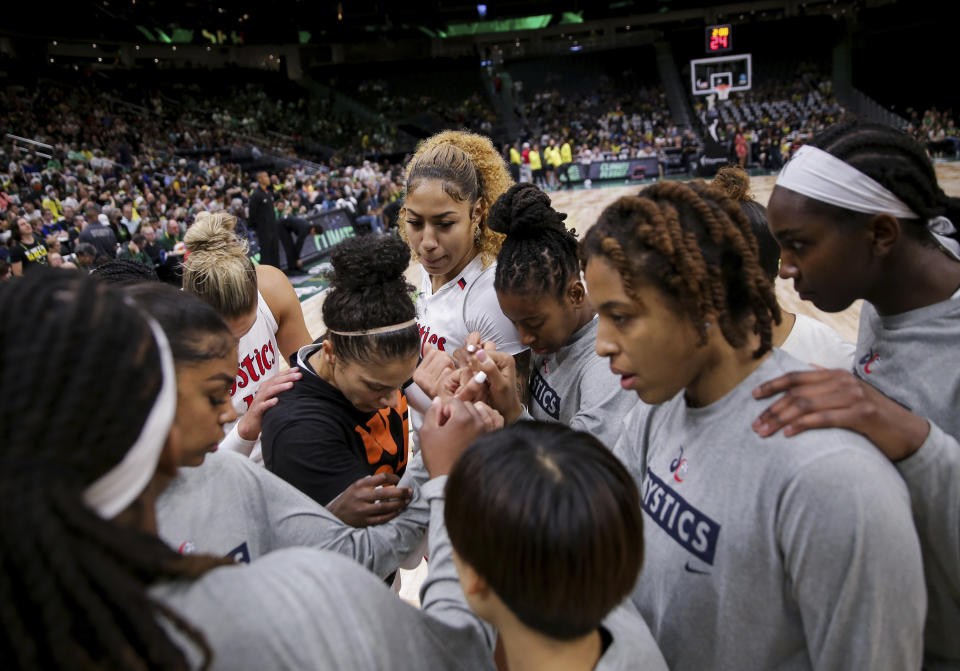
385 438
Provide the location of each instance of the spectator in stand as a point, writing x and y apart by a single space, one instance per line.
86 254
119 230
5 271
99 234
172 236
150 245
134 250
26 250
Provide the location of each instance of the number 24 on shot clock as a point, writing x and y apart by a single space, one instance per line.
719 38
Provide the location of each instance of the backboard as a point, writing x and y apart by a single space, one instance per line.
733 71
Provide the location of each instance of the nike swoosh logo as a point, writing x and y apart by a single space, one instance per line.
690 569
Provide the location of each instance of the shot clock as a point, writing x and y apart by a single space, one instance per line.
719 39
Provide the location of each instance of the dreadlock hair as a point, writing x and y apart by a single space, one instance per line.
369 291
895 160
73 590
694 243
735 182
195 331
470 169
539 253
125 271
551 519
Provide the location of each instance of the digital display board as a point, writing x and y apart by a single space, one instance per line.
719 38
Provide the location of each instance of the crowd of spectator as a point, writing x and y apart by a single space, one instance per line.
473 112
130 167
607 122
762 127
122 181
936 130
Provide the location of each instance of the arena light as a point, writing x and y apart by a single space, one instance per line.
499 26
146 33
482 11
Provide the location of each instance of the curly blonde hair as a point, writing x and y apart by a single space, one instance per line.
471 169
217 268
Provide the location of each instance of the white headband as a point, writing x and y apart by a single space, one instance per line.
381 329
814 173
116 489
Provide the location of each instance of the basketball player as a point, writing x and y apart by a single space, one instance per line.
859 214
263 312
760 554
451 183
79 488
224 504
805 338
346 417
539 289
553 595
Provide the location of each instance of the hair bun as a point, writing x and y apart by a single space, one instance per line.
214 232
523 211
369 261
734 182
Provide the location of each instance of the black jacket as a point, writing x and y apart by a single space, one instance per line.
261 209
317 441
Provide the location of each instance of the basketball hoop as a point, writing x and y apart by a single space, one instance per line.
723 91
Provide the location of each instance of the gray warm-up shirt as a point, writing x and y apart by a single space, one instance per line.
574 386
771 553
231 506
302 608
632 647
914 358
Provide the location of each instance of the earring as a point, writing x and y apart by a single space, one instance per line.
477 235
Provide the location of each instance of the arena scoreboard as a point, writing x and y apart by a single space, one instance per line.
719 39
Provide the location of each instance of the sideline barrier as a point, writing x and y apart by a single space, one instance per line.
336 226
617 169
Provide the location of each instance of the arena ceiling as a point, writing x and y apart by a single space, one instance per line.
289 21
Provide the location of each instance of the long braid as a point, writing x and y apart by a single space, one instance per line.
80 596
694 242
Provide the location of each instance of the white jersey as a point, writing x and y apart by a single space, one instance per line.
463 305
259 357
814 342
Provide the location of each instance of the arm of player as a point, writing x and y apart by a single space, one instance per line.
851 551
603 403
292 333
932 474
441 595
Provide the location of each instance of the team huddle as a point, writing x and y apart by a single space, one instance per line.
616 451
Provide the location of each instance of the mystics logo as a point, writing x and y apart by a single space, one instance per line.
427 338
868 360
544 395
252 368
679 467
695 531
